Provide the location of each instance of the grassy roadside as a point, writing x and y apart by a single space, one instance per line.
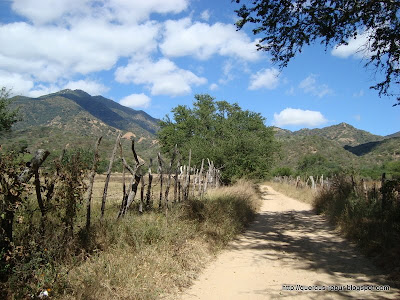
364 220
305 194
142 256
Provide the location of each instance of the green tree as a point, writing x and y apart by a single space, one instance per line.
286 26
7 117
234 139
316 165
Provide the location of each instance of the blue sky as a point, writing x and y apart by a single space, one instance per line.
155 54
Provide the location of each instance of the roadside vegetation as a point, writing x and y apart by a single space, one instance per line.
140 256
58 240
368 213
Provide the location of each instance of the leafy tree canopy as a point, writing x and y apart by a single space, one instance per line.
317 165
286 26
234 139
7 117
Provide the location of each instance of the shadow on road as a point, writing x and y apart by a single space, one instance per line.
303 240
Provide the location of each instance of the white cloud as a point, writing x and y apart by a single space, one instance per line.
298 117
265 78
201 40
41 90
310 86
357 47
136 100
357 117
91 87
205 15
48 53
162 77
121 11
213 87
18 84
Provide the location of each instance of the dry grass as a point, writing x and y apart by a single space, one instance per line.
150 255
306 194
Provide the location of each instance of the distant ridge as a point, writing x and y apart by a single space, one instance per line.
343 134
342 144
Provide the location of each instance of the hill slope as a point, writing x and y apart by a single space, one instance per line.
77 119
342 134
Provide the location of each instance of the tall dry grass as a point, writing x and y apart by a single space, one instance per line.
305 194
142 256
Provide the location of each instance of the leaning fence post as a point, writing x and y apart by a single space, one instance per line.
103 201
91 182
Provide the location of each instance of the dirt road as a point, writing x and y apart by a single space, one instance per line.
287 244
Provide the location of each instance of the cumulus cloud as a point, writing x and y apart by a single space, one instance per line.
41 89
162 77
18 84
310 86
298 117
136 100
266 78
50 52
201 40
121 11
89 86
357 47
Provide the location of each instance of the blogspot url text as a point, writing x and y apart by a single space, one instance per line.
335 288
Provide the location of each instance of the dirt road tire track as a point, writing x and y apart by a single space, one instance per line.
287 244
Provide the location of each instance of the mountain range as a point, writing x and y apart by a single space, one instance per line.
340 144
75 118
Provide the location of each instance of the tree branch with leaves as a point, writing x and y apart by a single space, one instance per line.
286 26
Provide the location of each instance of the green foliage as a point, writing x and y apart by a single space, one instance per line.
7 117
317 164
287 26
235 139
282 171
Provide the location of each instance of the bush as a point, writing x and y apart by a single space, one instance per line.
373 221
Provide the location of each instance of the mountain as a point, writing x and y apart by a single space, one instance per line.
396 134
342 134
296 148
60 107
340 146
77 119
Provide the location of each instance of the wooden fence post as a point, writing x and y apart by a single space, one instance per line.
201 178
160 172
91 182
103 201
178 164
149 203
169 175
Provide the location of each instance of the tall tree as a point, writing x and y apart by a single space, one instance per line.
286 26
233 138
7 117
